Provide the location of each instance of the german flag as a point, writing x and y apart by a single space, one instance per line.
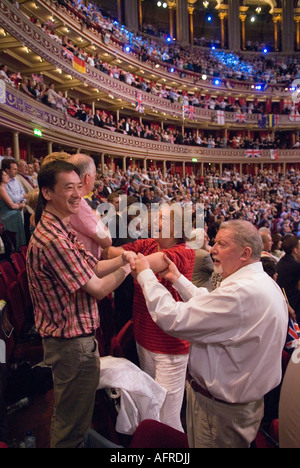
79 64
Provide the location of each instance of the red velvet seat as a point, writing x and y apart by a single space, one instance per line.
123 344
154 434
18 261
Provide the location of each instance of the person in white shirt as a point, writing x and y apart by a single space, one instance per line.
237 333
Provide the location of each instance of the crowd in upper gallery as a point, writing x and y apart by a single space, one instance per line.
260 68
144 128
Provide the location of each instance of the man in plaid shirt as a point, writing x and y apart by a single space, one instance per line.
66 282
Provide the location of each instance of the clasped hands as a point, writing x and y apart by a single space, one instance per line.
138 263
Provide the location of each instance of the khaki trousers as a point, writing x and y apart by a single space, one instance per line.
76 370
213 424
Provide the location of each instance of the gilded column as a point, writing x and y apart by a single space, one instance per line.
276 20
223 16
140 7
16 147
191 9
172 8
297 21
243 17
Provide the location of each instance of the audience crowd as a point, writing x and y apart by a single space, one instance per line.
267 70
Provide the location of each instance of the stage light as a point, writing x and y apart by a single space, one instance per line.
127 49
169 39
265 51
172 70
213 48
159 4
204 77
217 82
165 5
252 19
209 18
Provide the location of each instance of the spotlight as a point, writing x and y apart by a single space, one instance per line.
265 51
217 82
209 18
258 87
159 4
252 19
169 39
165 5
127 49
204 77
172 70
213 48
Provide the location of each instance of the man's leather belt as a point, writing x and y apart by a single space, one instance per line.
197 388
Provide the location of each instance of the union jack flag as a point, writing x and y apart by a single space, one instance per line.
240 117
139 102
67 53
38 79
189 111
293 336
253 153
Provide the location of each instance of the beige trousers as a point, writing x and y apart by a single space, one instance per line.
76 370
213 424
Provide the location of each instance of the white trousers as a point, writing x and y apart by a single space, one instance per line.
170 372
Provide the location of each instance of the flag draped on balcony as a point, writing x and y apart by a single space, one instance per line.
79 64
220 117
274 153
272 120
294 117
253 153
139 102
240 117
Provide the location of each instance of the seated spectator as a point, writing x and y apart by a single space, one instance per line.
11 212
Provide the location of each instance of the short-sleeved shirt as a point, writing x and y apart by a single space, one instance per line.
58 266
146 332
86 225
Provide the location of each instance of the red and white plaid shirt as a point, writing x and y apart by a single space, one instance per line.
57 267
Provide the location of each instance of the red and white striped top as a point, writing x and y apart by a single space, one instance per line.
57 267
146 332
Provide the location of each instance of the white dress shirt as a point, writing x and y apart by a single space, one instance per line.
237 332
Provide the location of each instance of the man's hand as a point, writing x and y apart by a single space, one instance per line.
171 273
129 257
141 263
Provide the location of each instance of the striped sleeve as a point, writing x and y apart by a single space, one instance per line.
68 266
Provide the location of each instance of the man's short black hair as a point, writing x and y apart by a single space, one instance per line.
289 243
47 176
7 162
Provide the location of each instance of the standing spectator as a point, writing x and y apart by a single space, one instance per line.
235 355
160 355
89 228
7 154
289 272
52 96
65 308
